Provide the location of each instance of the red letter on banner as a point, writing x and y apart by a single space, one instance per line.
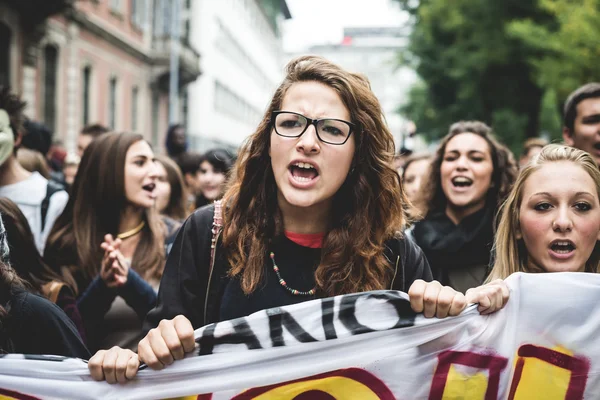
494 365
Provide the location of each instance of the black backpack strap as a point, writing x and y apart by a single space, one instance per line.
51 188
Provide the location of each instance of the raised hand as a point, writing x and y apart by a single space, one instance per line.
114 267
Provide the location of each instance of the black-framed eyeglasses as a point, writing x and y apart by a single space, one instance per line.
329 130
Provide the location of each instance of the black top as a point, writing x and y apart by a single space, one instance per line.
459 255
185 289
38 326
297 265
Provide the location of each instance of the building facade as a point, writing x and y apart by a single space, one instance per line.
97 61
373 51
241 49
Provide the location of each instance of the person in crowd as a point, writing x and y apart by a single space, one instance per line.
581 119
171 198
214 170
189 164
71 165
171 194
401 157
531 148
112 197
176 142
550 221
415 170
471 174
30 324
56 161
56 286
313 210
37 136
33 161
56 156
40 200
87 134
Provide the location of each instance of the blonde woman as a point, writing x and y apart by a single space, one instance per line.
551 219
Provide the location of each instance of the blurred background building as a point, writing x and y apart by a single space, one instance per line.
240 43
373 51
105 61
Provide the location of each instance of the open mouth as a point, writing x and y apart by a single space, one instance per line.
462 181
149 187
562 246
303 172
597 146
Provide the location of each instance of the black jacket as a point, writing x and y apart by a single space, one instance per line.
191 288
459 255
38 326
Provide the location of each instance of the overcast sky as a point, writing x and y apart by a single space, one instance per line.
322 21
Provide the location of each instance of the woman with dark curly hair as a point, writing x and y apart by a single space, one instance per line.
314 209
471 174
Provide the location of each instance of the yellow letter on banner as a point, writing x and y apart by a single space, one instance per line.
542 373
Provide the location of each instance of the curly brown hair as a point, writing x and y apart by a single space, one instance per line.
432 198
368 209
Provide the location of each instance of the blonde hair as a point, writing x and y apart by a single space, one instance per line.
511 253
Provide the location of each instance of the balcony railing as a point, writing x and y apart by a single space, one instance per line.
189 61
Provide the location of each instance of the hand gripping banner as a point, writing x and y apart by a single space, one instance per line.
544 345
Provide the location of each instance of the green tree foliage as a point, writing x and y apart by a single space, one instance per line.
473 68
564 54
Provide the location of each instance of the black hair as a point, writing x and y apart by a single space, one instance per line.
221 159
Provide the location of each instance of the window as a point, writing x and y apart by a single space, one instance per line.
134 108
116 6
184 101
112 104
155 114
186 31
229 103
138 13
5 37
50 74
162 18
86 77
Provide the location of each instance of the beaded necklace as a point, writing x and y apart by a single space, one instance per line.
295 292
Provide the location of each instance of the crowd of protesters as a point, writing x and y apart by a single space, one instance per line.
122 252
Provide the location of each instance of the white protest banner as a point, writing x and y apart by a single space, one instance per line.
543 345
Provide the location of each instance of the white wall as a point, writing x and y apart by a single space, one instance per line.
240 51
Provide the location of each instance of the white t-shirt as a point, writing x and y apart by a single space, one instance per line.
28 195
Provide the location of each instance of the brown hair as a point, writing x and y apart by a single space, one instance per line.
531 143
412 159
24 256
505 171
33 161
177 202
94 130
12 104
368 208
94 209
510 252
587 91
